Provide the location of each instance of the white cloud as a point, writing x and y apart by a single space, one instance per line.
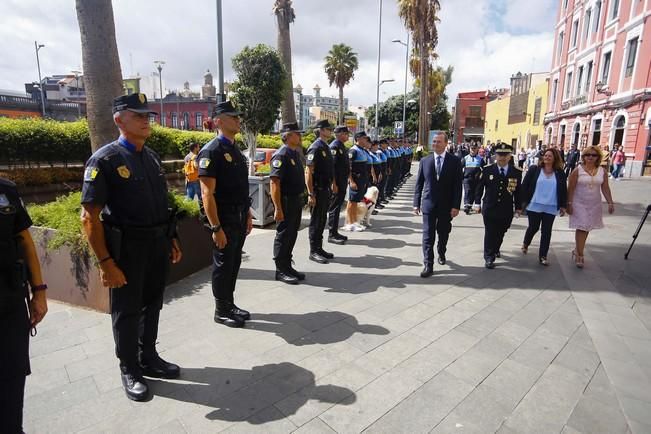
483 53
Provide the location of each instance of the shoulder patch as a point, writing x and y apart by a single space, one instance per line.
277 163
204 163
90 173
333 152
310 157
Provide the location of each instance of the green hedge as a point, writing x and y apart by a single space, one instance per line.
24 142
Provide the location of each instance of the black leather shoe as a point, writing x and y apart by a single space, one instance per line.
325 254
441 259
379 206
498 254
156 367
244 314
338 241
341 237
384 201
427 271
318 258
490 264
467 210
375 212
229 318
286 278
297 274
135 386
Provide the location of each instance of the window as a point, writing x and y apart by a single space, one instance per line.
596 132
588 77
614 11
561 37
597 16
577 134
586 24
497 124
554 91
565 4
606 68
562 138
630 59
474 111
568 85
152 118
175 120
198 120
579 81
575 32
536 111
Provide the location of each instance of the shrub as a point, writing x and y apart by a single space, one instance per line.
43 175
263 169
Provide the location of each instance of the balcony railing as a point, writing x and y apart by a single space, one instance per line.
582 99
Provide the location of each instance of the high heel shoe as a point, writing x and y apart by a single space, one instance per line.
578 260
524 249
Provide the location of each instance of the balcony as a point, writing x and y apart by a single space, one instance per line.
582 99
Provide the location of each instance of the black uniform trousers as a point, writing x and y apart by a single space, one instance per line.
383 185
494 230
335 207
14 365
435 224
318 219
226 262
144 258
287 231
469 188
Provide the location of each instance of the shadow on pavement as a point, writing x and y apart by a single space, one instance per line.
373 261
381 243
318 322
239 395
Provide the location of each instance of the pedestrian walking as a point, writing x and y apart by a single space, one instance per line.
544 193
501 183
571 159
20 309
191 171
320 181
619 159
341 173
585 186
224 179
438 198
471 166
127 220
287 194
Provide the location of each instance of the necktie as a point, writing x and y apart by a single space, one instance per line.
438 166
502 172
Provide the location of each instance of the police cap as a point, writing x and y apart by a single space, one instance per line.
225 108
503 148
290 127
360 134
136 102
342 129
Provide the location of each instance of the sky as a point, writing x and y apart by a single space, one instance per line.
486 41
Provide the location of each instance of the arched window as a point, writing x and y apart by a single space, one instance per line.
620 126
576 133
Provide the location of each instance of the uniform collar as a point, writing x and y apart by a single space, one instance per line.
122 141
224 141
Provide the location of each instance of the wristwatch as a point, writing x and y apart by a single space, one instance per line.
216 228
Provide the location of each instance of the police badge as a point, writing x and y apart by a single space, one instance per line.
123 171
323 153
228 157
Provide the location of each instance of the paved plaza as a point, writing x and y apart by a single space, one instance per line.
365 344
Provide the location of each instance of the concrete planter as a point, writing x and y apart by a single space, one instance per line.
74 278
262 207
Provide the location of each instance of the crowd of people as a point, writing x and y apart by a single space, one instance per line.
131 229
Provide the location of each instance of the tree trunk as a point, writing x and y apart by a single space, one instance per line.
423 123
250 139
101 63
287 108
341 105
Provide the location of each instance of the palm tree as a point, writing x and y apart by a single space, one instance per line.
340 65
420 18
285 16
101 63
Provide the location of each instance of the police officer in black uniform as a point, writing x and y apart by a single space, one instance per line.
342 170
130 227
287 195
18 263
501 181
224 180
320 181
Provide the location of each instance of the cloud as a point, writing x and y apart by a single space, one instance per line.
485 40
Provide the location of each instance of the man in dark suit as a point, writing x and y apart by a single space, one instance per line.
501 181
438 197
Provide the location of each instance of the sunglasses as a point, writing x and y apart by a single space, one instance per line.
590 155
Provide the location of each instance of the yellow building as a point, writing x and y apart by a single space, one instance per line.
517 116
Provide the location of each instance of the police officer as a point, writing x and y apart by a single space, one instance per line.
18 261
358 180
501 182
374 168
320 181
391 170
342 171
131 229
380 152
287 195
472 165
224 182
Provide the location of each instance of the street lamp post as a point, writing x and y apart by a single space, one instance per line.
37 47
377 106
159 65
404 99
379 51
220 53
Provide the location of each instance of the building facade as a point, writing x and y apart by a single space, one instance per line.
600 85
517 116
185 113
470 114
303 104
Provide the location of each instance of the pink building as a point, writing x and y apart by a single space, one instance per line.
600 81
